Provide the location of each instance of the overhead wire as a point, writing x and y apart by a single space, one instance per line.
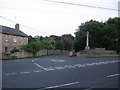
77 4
24 25
67 3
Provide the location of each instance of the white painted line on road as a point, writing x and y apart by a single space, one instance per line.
80 65
69 66
49 69
62 85
24 72
57 60
33 60
113 61
38 71
59 67
10 74
40 66
113 75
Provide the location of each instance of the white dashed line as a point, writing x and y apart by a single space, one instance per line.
59 67
24 72
62 85
113 75
57 60
10 74
69 67
38 71
49 69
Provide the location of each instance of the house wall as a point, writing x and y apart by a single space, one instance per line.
0 46
11 42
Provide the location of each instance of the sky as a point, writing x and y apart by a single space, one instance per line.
53 17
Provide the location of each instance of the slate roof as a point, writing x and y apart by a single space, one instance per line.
11 31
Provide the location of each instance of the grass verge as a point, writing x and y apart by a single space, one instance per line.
35 57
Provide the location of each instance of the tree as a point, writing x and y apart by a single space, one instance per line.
48 44
38 38
102 35
112 34
31 39
33 47
68 44
59 45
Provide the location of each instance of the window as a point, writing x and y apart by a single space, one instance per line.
14 47
6 41
6 49
15 40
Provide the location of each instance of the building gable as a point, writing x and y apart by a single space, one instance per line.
12 31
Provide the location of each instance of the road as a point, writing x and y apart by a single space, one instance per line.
61 72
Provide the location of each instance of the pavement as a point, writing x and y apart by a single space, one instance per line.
61 72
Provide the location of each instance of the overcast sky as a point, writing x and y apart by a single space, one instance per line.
45 17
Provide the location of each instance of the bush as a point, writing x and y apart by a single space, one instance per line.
15 50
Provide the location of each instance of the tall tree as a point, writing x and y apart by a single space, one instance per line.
33 47
59 45
101 34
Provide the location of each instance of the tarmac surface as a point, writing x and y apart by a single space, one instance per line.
61 72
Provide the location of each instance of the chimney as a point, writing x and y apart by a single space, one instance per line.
17 26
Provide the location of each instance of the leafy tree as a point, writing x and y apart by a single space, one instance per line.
48 44
64 36
95 29
112 34
59 45
38 38
31 39
102 35
68 44
33 47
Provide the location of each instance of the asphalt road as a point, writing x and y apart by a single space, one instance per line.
61 72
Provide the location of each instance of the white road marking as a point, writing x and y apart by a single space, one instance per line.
57 60
40 66
32 60
49 69
80 65
59 67
62 85
88 64
38 71
113 75
10 74
70 66
24 72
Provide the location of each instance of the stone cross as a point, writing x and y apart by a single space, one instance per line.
87 42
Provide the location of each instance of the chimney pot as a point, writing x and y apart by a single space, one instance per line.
17 26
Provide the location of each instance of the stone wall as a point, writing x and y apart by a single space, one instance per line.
96 51
12 41
24 54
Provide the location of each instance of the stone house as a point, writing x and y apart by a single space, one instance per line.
12 38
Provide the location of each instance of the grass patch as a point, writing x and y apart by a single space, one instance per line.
106 55
35 56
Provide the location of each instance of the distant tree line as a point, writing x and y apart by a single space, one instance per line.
102 35
64 42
